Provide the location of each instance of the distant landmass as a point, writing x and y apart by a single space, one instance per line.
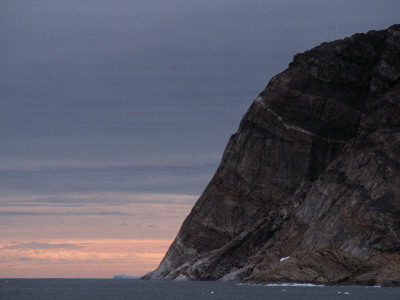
123 276
308 189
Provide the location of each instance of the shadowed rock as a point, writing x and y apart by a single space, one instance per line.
313 173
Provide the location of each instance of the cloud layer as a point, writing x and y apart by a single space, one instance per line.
81 258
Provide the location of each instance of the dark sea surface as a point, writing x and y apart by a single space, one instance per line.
60 289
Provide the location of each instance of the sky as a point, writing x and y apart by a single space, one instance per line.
114 116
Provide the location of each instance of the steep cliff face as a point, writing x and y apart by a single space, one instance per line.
313 173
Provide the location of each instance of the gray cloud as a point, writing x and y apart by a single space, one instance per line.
141 178
149 83
42 246
64 214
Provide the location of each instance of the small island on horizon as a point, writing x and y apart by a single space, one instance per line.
308 188
124 276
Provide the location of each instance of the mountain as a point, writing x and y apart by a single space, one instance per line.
308 188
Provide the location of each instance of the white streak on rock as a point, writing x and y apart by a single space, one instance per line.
284 258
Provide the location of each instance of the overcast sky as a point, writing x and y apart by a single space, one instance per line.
114 114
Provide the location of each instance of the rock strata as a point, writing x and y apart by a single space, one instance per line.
313 174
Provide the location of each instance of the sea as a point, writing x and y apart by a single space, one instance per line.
63 289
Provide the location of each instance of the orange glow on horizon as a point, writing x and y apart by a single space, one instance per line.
122 234
81 258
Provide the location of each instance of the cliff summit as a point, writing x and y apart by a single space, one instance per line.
308 188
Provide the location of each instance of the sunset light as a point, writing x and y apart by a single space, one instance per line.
81 258
125 233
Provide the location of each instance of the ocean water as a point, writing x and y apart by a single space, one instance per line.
63 289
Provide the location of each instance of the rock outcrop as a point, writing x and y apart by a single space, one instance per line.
313 174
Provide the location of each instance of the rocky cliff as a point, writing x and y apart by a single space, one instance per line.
308 189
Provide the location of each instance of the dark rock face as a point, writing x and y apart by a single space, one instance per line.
333 266
313 173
